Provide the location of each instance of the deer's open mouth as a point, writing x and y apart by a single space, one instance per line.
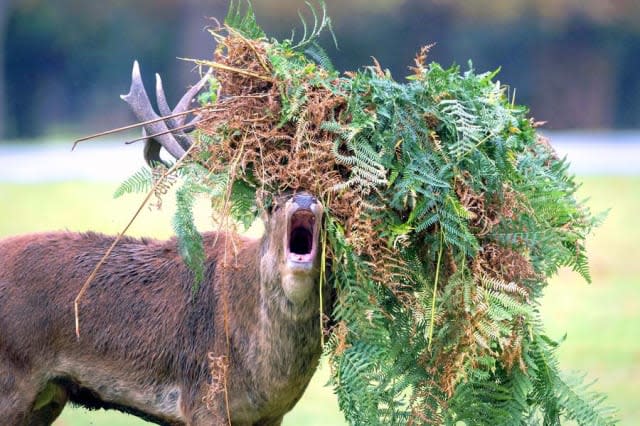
301 244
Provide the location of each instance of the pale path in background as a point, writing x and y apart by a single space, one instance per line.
104 160
590 153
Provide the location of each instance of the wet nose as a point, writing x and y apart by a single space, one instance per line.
304 200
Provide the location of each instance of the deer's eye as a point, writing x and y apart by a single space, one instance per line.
273 207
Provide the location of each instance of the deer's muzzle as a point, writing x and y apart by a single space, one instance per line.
304 214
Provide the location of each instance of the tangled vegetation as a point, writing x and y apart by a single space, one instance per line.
446 215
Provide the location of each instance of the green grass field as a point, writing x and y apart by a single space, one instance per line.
602 320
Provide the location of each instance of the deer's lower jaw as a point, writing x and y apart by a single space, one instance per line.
298 287
300 263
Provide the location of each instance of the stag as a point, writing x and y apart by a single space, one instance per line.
147 339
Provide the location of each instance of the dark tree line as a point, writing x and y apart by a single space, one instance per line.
65 62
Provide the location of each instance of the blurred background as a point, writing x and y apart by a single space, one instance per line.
575 63
63 62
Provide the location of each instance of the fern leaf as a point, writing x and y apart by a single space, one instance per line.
140 181
190 242
243 22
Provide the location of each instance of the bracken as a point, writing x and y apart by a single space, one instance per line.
445 215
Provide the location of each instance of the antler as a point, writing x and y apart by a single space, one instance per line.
171 133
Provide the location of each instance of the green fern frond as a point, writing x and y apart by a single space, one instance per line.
583 405
190 242
319 56
560 396
434 326
243 208
320 23
243 21
140 181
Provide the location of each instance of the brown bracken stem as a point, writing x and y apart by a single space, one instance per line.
175 129
435 288
133 126
228 68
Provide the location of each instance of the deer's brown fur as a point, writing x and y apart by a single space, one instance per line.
145 334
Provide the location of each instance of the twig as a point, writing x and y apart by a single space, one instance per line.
258 55
228 68
133 126
175 129
435 288
225 295
225 316
323 267
85 286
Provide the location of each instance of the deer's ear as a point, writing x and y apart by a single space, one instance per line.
269 203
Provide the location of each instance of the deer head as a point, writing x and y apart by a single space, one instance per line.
292 235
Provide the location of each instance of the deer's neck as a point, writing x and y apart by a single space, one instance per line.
288 333
288 348
268 328
280 341
287 327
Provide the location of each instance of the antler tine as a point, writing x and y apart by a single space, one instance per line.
141 105
163 105
183 103
193 121
174 122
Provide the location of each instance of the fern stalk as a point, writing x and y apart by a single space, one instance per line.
435 290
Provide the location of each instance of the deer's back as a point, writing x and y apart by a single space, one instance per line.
141 305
